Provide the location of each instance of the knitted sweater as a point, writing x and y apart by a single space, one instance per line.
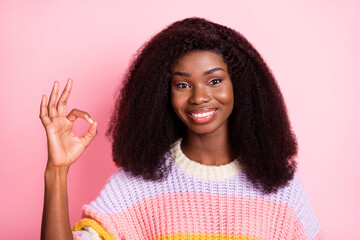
196 201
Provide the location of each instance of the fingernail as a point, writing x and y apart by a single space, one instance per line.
89 118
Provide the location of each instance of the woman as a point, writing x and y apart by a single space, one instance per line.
201 133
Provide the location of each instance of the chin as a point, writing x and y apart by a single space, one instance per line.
202 130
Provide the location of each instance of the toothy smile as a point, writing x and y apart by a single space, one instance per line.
202 116
205 114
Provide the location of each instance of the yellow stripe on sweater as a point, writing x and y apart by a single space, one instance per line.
87 222
179 236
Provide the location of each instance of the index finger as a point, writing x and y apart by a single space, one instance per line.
62 103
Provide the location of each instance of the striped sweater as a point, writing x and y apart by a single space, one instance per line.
197 202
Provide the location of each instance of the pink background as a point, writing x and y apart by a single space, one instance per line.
313 48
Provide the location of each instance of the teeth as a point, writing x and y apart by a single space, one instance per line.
200 115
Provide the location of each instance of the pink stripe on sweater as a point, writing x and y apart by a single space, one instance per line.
203 213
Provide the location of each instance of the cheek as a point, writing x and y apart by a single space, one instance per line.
226 96
173 99
176 102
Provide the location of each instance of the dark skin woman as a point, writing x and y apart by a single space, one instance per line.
195 80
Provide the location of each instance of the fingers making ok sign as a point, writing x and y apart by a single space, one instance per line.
64 147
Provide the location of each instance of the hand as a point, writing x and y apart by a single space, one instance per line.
64 147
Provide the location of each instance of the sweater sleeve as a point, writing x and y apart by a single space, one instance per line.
99 220
90 229
306 213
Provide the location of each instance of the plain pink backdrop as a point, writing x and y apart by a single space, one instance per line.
312 48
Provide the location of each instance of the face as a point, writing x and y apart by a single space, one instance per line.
202 92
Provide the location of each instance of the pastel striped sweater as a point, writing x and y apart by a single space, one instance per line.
196 202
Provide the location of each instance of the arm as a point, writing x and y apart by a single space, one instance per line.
55 221
64 148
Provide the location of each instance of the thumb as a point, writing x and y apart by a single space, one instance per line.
90 134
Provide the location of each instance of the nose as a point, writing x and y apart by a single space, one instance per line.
199 95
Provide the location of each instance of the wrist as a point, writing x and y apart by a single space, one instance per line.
54 173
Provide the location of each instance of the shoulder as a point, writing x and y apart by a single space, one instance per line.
122 190
295 193
118 188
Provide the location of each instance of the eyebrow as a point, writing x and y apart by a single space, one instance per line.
212 70
184 74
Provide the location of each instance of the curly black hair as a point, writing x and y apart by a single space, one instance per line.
144 125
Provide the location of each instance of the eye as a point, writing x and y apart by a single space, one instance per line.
215 81
182 85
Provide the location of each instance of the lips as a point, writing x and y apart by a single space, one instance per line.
203 115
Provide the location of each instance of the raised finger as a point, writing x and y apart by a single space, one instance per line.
52 102
75 113
62 103
43 111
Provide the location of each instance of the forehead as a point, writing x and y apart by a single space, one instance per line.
199 61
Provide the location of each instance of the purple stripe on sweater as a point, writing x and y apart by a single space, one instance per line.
83 235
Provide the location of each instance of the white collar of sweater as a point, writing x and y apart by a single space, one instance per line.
201 170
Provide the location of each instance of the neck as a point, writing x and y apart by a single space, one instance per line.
208 149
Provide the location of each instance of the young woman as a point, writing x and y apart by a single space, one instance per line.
201 133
